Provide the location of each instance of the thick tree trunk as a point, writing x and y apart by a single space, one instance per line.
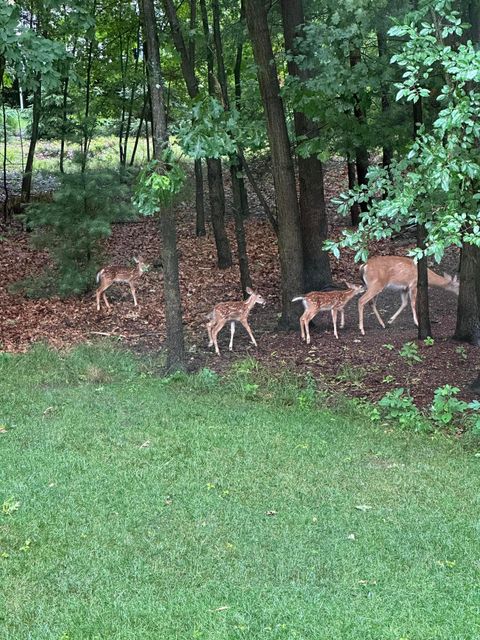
27 176
468 312
313 218
423 306
289 235
171 284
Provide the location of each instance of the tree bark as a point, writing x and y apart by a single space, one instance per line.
289 235
468 311
423 307
352 181
169 255
387 151
313 218
36 112
187 60
214 166
237 182
361 151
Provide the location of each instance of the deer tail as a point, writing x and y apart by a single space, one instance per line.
99 274
362 273
298 298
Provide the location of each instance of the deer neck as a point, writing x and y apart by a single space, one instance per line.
250 303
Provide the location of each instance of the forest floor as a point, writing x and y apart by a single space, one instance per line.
360 366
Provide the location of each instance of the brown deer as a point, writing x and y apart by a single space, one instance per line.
333 301
232 312
108 275
394 272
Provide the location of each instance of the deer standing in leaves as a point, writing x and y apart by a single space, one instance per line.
333 301
130 275
394 272
232 312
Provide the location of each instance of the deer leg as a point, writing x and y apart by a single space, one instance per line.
307 320
304 325
404 295
209 331
369 295
132 289
413 303
215 331
98 299
376 312
334 319
342 317
249 331
232 332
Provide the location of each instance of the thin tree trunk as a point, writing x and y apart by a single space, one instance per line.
387 151
256 189
423 307
171 283
361 152
237 181
187 58
289 235
352 181
132 98
27 176
200 229
139 130
64 123
313 218
214 166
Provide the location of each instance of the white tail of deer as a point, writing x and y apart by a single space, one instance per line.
232 312
333 301
130 275
394 272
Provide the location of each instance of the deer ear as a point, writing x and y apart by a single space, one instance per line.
249 291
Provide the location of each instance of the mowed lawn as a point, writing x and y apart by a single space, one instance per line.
138 509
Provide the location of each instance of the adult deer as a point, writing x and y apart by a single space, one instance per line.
130 275
333 301
232 312
394 272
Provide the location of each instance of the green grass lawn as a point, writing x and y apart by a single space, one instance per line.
138 509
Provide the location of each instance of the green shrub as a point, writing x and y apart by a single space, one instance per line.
398 406
72 229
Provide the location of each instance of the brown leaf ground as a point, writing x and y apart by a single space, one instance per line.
360 366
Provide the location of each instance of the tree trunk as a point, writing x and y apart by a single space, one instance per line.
313 218
352 181
187 59
468 311
289 234
64 123
217 211
387 151
238 187
169 255
27 176
423 307
199 200
361 151
215 181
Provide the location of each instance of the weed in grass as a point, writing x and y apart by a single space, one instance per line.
351 374
206 379
10 506
429 341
